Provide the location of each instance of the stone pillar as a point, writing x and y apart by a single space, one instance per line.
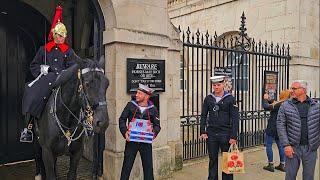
304 42
141 29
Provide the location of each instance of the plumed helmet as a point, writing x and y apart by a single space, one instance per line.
60 29
57 26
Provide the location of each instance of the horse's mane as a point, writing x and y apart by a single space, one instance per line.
65 75
89 63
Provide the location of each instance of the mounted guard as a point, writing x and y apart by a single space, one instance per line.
46 66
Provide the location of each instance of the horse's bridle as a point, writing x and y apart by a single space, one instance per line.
86 108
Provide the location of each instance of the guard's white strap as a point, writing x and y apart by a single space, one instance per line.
35 80
86 70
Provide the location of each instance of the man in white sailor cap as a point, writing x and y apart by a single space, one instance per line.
221 127
145 89
141 109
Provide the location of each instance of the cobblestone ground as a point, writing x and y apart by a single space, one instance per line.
26 170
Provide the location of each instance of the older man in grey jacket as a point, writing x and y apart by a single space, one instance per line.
298 127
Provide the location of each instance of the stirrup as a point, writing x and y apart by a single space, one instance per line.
26 136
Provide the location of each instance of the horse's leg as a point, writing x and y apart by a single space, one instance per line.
55 166
98 148
95 150
74 161
49 161
101 142
40 170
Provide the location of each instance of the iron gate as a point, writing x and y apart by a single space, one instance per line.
248 60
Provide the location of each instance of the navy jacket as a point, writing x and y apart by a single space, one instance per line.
36 96
133 108
223 116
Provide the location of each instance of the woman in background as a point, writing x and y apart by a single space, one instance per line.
271 131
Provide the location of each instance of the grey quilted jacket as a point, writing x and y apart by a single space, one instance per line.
289 124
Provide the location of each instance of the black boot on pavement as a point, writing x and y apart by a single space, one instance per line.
281 167
269 167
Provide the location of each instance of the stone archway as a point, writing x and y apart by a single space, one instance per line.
84 21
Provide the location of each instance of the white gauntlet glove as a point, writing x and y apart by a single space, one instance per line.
44 69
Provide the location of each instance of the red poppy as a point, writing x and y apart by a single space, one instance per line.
234 157
230 164
140 124
239 163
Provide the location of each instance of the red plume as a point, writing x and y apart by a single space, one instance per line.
57 17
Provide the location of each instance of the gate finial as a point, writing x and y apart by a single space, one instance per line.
243 41
243 28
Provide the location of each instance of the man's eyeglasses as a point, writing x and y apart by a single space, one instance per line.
295 88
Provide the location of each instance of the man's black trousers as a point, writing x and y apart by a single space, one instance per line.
130 153
214 143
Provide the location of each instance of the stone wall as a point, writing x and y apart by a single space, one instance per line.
293 22
141 29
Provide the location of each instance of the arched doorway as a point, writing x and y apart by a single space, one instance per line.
24 25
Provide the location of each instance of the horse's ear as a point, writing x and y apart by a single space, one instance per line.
65 75
102 62
78 60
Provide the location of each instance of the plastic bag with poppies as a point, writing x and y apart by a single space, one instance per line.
233 161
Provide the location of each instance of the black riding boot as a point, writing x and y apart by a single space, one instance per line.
27 134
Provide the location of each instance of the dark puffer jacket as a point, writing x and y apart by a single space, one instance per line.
289 124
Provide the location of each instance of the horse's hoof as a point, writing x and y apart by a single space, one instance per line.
38 177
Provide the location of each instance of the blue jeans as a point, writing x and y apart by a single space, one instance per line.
269 141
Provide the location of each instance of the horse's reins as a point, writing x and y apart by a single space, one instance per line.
88 112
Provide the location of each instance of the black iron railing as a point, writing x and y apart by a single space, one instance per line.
247 61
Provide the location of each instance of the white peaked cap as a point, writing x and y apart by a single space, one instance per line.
145 89
216 79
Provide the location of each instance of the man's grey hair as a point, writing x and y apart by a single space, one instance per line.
303 83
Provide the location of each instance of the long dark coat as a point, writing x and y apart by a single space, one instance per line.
36 96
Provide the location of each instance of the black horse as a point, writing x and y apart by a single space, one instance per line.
77 106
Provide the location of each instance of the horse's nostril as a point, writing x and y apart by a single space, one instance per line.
99 123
